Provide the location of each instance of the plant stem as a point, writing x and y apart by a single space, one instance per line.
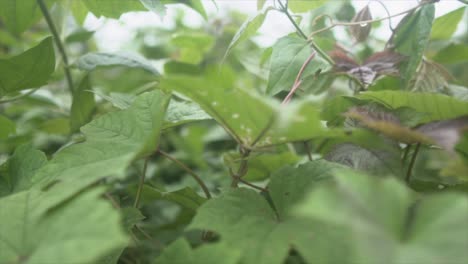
405 154
58 43
298 80
253 185
413 159
334 24
12 99
284 9
141 183
307 148
189 171
243 167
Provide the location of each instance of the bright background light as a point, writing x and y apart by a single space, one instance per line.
112 35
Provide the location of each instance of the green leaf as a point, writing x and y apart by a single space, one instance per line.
83 105
301 6
180 252
79 10
247 30
131 216
56 126
260 4
246 222
192 46
156 6
19 169
91 61
290 184
453 53
113 8
112 142
263 165
194 4
7 127
29 69
375 160
20 15
435 106
250 118
289 55
446 25
180 112
403 232
34 233
411 39
80 35
185 197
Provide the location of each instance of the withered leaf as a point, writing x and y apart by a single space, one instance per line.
361 31
381 63
445 133
388 125
430 77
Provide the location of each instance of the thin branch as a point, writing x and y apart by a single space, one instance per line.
157 243
141 183
58 43
284 9
388 14
243 167
114 203
405 154
411 165
189 171
262 133
298 80
307 148
9 100
253 185
334 24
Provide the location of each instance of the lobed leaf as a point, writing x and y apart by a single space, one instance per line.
33 232
112 142
247 223
403 232
180 252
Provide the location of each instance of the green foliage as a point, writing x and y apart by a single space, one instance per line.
300 6
198 143
20 15
445 26
92 61
29 69
412 37
434 106
46 234
289 54
401 232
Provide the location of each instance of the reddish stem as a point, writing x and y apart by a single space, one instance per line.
298 80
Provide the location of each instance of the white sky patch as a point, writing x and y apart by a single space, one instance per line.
113 34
